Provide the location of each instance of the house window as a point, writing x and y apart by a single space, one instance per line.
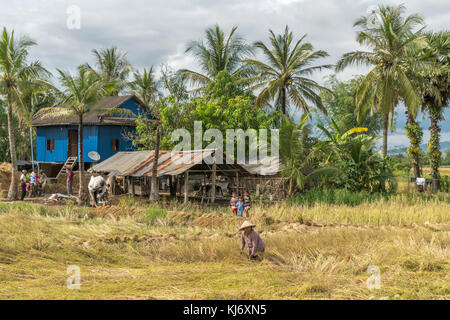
115 145
51 144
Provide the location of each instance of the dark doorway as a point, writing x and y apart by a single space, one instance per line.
72 144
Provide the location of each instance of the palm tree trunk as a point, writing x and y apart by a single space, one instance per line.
283 100
12 193
81 191
154 194
434 147
414 134
385 134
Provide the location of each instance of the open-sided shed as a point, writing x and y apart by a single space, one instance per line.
175 163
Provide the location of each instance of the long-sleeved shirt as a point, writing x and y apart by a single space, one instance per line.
253 242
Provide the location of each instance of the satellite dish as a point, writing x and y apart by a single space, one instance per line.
94 155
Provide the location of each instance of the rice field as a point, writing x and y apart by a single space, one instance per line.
140 251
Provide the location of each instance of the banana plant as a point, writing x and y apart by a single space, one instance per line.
298 159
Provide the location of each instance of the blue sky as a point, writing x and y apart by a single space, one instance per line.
156 32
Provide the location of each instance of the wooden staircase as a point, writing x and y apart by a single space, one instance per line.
71 161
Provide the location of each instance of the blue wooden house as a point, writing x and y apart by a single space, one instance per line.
57 138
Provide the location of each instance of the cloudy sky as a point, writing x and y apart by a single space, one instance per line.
156 32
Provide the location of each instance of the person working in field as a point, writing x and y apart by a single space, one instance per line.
252 240
247 203
233 203
96 187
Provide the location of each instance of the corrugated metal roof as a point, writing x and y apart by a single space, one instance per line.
140 163
268 166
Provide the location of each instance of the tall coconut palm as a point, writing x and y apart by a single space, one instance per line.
112 66
15 73
391 42
436 95
217 53
285 76
145 86
78 95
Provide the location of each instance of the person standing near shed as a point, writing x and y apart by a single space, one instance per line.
252 240
70 175
33 183
23 184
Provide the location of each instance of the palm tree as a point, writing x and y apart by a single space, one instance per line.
436 95
285 75
16 73
391 44
297 157
79 93
145 86
217 53
112 66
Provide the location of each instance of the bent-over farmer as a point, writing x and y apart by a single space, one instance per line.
96 187
252 239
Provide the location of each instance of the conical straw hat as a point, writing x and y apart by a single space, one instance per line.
246 224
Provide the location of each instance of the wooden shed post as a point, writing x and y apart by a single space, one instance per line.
133 189
186 186
237 183
213 182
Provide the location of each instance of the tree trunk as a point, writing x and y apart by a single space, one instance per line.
12 192
414 134
154 195
283 100
385 134
81 191
434 147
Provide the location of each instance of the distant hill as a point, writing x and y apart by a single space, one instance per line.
401 149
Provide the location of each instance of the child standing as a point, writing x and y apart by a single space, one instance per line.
247 203
240 207
233 203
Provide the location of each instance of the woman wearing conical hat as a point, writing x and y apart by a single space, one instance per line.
252 240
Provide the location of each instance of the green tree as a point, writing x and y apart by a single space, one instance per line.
298 157
284 77
340 106
16 73
436 95
145 86
392 43
353 153
112 66
216 53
